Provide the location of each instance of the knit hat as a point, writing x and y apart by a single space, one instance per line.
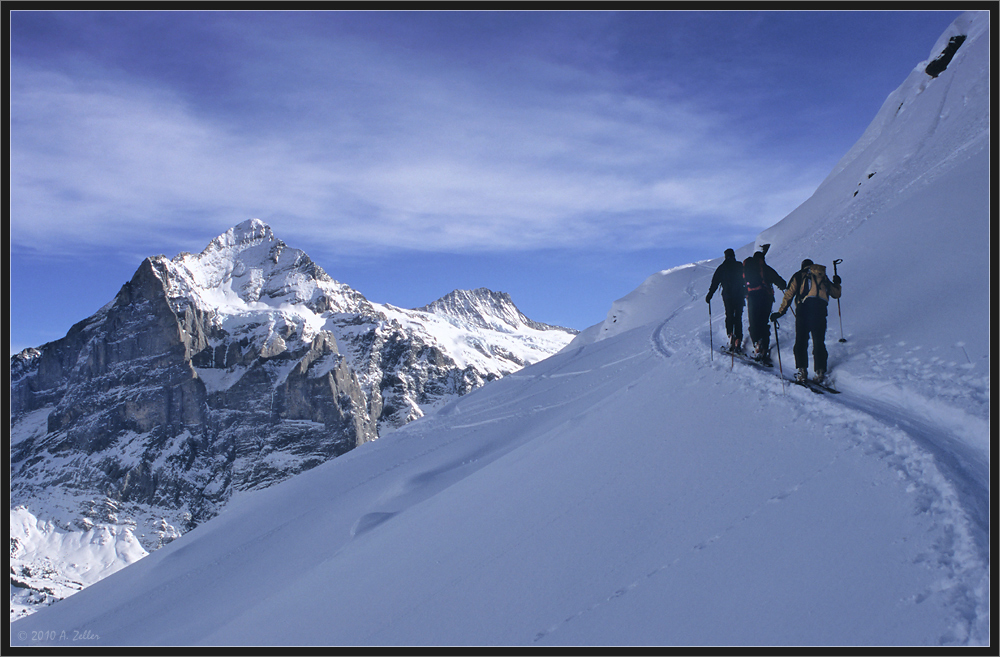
730 253
806 263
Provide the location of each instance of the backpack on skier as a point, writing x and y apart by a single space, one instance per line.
814 283
753 274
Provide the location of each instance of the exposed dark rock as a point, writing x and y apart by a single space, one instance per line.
940 63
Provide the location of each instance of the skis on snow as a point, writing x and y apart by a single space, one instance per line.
809 384
815 386
749 360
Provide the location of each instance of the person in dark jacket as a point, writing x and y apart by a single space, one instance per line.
811 290
760 278
729 275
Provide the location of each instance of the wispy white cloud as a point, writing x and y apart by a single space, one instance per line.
384 153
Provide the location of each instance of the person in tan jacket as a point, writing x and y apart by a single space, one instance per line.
811 290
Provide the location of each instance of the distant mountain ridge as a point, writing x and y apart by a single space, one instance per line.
230 370
485 308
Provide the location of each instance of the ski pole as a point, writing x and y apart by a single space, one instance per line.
777 346
839 316
711 347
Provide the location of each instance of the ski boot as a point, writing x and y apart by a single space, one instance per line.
763 356
801 375
820 377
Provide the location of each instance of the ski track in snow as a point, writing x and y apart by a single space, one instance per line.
952 482
950 477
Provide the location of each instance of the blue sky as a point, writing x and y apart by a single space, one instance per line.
561 157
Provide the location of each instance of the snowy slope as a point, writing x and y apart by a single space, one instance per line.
49 562
637 489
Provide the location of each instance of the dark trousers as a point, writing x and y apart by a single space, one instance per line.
758 315
734 318
810 322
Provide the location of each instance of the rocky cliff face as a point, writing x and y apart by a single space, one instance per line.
231 370
130 399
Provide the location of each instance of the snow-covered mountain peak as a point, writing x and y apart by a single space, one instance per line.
248 268
483 308
249 249
249 232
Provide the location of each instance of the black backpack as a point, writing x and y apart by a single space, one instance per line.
753 274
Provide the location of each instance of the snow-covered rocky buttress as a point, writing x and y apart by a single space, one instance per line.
638 488
220 372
